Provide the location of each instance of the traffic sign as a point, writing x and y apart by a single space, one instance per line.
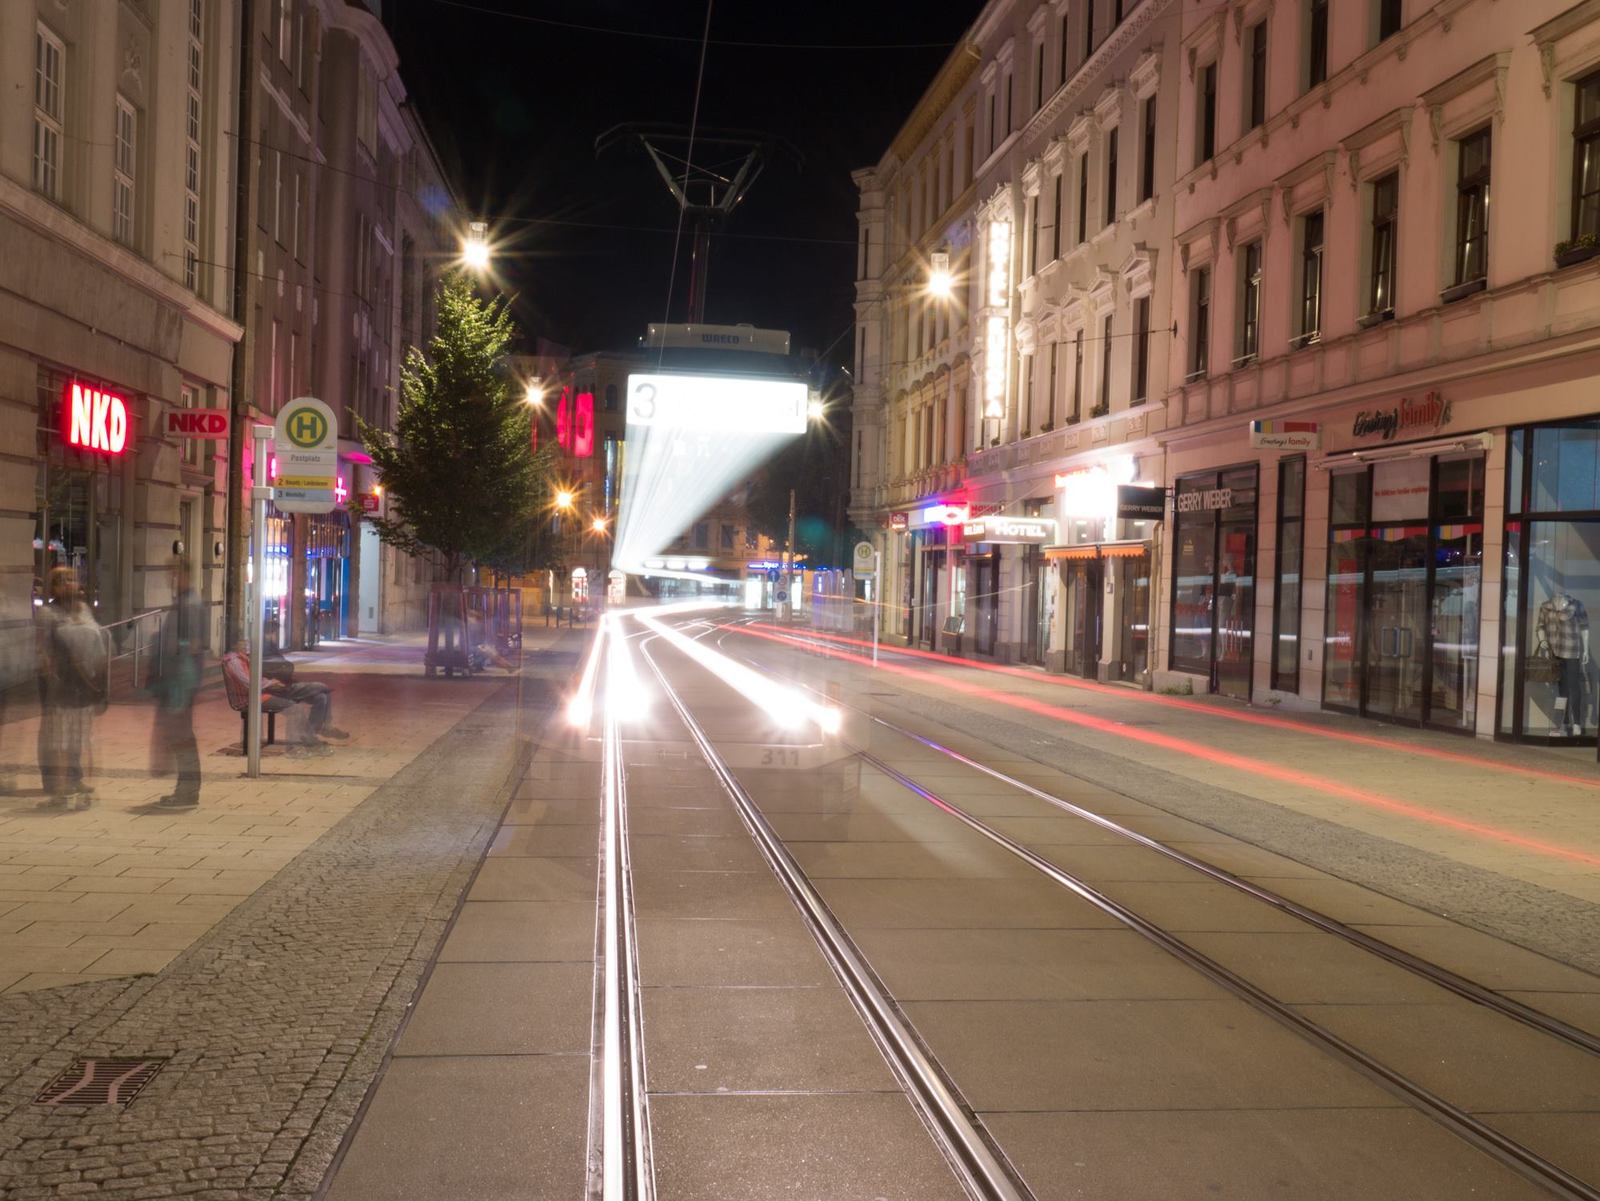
306 442
781 595
864 561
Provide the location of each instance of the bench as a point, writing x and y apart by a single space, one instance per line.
236 682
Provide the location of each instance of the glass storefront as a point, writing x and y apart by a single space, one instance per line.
1405 559
1214 578
1080 579
78 512
1552 582
1129 565
983 593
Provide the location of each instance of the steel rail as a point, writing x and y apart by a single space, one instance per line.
1453 982
1511 1153
977 1161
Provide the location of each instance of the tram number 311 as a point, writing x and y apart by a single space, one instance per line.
780 756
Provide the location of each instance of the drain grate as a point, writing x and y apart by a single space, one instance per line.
100 1082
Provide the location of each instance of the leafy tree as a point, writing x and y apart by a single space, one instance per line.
459 470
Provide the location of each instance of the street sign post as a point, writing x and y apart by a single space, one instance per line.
306 440
260 494
865 560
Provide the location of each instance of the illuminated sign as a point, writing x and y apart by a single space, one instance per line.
564 420
718 403
1197 502
96 420
1410 416
899 521
997 335
1286 435
305 439
1027 531
583 426
197 423
1141 504
945 514
1091 492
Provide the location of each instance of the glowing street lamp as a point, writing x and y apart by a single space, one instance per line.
815 409
598 525
475 247
940 282
564 500
533 394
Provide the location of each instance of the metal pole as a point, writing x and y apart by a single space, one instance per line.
877 584
260 493
788 562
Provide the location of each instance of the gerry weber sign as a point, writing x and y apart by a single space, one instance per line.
1412 416
1030 531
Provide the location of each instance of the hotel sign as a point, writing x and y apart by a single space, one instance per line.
1412 416
1025 531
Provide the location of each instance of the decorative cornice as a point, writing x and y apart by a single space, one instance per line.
1072 93
946 86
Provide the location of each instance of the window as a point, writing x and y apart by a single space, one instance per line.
189 398
49 62
1038 77
1083 197
727 537
273 374
1088 29
286 31
1111 177
1055 236
1388 18
1141 350
1147 153
1385 211
1249 304
1025 395
1200 321
1105 364
1472 207
1050 399
1310 277
1009 80
702 535
1033 235
1257 92
1317 43
191 147
1586 157
611 398
1064 14
972 145
367 110
1206 135
993 141
1286 575
124 171
1077 376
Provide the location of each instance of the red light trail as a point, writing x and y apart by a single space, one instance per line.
1183 746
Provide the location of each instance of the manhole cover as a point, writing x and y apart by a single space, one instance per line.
100 1082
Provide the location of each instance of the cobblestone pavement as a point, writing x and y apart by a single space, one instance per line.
275 1021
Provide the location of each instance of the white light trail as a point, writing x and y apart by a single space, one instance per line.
580 707
624 689
789 707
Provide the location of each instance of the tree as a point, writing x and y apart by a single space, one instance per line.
459 471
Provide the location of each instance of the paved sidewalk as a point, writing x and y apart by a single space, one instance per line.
119 890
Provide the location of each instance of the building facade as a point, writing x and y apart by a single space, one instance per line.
1368 397
351 225
1035 388
116 215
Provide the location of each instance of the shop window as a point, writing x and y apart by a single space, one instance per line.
1213 590
1287 572
1472 207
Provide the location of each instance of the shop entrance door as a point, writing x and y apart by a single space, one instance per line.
1083 582
1396 621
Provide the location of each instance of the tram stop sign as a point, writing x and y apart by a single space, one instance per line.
863 560
305 441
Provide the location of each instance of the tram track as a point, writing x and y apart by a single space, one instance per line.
1512 1153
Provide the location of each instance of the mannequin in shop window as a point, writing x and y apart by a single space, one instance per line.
1564 625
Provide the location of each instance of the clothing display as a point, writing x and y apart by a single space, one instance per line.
1564 626
1564 621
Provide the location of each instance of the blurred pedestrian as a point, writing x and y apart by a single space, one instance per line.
180 655
72 685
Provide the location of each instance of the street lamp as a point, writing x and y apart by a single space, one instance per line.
564 499
815 409
475 247
940 282
533 394
598 525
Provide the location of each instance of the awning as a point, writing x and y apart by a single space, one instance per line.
1096 550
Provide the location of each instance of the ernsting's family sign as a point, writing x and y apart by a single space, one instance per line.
1410 416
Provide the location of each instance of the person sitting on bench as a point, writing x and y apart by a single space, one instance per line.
278 684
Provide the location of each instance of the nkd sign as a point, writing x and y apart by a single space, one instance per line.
95 420
1027 531
197 423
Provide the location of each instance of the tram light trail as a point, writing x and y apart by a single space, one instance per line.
1183 746
624 688
580 707
789 707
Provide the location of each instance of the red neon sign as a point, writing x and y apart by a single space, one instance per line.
95 420
583 426
564 420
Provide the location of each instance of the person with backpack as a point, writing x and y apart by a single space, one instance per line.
72 683
180 655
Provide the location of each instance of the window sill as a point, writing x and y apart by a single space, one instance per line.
1371 319
1307 339
1195 376
1245 360
1463 290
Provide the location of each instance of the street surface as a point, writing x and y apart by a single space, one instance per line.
710 907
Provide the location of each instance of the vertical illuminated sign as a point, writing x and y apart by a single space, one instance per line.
997 331
583 426
95 420
564 420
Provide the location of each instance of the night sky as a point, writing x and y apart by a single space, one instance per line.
515 105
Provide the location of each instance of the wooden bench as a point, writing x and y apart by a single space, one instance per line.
236 682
